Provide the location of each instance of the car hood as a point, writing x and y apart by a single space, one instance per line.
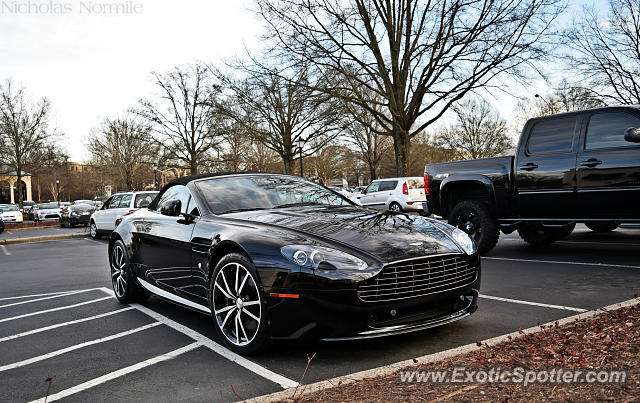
388 236
11 213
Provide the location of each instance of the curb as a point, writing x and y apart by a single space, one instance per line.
45 238
287 394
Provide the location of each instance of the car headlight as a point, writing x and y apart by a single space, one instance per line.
315 257
458 236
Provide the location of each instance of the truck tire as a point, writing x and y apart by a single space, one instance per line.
601 226
537 234
473 217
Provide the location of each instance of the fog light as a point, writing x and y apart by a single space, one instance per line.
393 312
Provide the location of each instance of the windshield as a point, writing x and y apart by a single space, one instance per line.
47 206
242 193
82 202
8 208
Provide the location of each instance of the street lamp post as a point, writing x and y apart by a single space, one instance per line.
155 171
58 191
300 143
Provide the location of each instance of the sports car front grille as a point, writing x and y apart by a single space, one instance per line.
418 277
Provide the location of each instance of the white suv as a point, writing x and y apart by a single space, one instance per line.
395 194
103 221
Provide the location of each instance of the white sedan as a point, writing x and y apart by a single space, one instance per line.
10 213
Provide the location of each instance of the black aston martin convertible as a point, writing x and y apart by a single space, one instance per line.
279 257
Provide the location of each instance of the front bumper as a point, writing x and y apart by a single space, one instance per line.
81 219
341 315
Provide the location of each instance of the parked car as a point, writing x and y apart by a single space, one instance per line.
77 214
27 209
577 167
395 194
10 213
47 211
277 256
103 221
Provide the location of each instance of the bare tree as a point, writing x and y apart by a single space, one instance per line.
606 51
24 130
364 136
479 131
124 143
182 115
278 106
328 163
565 97
418 57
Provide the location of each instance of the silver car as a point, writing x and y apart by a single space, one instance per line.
46 211
395 194
103 221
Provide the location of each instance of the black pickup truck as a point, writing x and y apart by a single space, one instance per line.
573 167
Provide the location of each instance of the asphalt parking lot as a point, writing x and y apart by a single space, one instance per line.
59 320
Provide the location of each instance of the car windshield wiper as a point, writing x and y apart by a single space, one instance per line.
300 204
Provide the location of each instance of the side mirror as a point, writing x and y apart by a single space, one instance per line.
363 191
171 208
632 135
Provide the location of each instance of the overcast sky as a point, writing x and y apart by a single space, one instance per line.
92 61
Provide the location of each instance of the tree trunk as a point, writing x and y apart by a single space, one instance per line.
193 166
401 147
286 160
372 172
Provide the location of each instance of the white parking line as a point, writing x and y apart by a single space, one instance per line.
121 372
223 351
76 347
49 293
5 250
73 322
583 242
517 301
53 309
43 298
624 266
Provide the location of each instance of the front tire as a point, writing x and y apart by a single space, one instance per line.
601 226
238 305
93 231
123 279
474 218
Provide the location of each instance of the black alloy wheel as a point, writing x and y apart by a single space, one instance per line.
474 218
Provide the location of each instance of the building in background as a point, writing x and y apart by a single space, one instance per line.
9 188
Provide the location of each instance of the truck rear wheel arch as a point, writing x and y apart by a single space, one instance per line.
454 190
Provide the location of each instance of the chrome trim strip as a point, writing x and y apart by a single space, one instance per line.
172 297
454 254
400 329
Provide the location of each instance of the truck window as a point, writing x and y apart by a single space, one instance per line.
552 136
606 130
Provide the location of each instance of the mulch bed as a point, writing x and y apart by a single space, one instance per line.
610 340
30 225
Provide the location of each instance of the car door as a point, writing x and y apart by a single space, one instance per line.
387 188
368 197
166 246
545 167
106 219
609 166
